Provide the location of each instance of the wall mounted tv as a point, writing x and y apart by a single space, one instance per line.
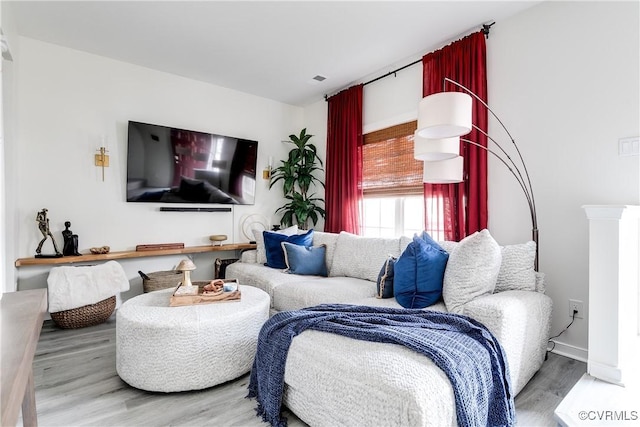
169 165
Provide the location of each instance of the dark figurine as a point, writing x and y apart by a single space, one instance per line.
43 225
70 247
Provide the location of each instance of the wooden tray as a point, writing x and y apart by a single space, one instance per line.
200 298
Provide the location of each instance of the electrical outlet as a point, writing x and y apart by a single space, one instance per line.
575 305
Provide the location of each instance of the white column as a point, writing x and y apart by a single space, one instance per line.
614 298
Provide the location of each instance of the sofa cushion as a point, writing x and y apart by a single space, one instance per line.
384 284
320 290
361 257
419 273
273 247
540 282
448 245
472 270
305 260
262 277
329 240
259 238
516 271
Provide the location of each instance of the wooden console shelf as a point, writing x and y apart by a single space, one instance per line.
21 262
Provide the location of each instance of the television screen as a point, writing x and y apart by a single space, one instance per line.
168 165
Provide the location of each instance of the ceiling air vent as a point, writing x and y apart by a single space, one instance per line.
319 78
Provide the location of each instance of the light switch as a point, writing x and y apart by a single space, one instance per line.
629 146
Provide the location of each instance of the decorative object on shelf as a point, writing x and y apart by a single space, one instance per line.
448 115
159 246
70 245
217 239
253 222
102 159
186 266
43 226
297 174
100 250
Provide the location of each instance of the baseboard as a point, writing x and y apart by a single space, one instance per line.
571 351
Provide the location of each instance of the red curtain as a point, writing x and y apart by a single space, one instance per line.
343 191
460 209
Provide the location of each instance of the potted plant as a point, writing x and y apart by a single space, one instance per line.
297 174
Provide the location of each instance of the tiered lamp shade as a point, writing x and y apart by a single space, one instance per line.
444 115
429 150
444 171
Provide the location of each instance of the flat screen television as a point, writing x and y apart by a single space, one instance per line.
169 165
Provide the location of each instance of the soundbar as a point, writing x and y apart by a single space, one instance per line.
184 209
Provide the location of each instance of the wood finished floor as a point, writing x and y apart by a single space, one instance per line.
77 385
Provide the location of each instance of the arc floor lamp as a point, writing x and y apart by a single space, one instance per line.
443 118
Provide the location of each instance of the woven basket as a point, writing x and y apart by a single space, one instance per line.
161 280
87 315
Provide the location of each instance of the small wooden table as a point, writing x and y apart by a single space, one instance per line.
21 317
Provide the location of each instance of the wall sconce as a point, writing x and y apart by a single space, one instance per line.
102 160
266 173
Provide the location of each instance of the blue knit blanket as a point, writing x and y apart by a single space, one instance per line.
463 348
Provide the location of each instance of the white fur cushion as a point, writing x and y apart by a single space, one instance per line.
261 255
362 257
516 272
472 270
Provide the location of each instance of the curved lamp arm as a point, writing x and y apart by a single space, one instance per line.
523 180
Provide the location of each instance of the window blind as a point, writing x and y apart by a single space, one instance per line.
388 166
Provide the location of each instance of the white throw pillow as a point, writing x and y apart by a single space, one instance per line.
362 257
328 239
261 253
472 270
540 282
448 245
516 272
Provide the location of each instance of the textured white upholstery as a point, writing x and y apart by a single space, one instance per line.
331 380
521 321
329 239
262 277
301 294
162 348
364 383
471 271
516 269
362 257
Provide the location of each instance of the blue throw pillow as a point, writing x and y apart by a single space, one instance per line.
305 260
419 273
273 248
384 284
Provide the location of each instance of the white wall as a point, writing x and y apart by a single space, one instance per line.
563 76
7 191
68 101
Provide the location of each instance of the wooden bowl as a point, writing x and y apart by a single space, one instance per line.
218 238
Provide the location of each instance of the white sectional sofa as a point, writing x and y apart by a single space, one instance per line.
333 380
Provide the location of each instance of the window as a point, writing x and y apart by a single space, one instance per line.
393 203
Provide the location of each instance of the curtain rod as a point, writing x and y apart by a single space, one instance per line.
486 28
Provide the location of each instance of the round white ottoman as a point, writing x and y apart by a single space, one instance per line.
162 348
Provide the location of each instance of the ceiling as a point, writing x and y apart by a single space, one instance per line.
265 48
